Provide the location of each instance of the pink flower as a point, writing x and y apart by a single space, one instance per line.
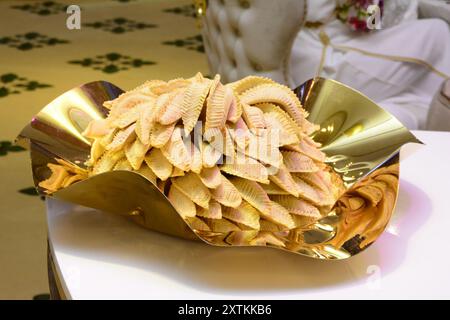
357 24
354 13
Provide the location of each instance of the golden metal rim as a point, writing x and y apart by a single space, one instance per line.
360 139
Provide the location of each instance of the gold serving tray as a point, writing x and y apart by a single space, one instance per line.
361 141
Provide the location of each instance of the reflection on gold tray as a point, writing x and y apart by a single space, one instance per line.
360 139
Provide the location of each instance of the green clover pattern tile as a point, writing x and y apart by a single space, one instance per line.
119 25
187 10
30 191
191 43
30 40
11 83
112 62
8 146
43 8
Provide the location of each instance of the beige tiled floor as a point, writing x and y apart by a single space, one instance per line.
23 269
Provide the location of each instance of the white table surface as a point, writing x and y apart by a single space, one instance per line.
103 256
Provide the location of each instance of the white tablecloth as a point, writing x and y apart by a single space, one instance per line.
99 255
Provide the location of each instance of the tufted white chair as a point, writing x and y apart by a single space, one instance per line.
243 37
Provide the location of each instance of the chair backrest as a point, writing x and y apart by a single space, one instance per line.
251 37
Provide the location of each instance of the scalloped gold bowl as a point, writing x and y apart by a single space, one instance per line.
361 141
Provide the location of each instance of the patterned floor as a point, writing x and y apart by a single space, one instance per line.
122 41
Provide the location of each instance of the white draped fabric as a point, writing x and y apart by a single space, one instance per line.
403 88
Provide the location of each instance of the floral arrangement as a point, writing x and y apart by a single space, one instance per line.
354 13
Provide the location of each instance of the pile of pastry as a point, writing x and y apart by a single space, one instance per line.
235 160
